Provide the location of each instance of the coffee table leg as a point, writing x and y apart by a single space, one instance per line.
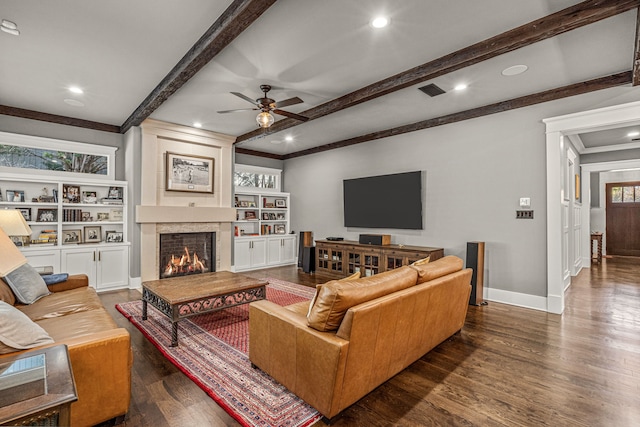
144 309
174 334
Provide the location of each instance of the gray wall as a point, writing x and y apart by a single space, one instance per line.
476 172
69 133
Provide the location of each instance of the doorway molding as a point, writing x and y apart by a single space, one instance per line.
558 129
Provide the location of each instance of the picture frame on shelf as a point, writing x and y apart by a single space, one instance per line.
93 234
189 173
265 216
115 193
250 215
71 236
280 216
86 216
116 215
269 205
281 203
26 213
15 196
272 216
71 193
103 216
279 229
89 197
113 236
47 215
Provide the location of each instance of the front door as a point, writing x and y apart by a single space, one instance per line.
623 218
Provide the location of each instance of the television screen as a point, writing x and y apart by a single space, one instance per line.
385 201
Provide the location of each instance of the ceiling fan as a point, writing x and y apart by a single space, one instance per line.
267 106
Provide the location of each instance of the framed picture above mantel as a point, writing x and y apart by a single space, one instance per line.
189 173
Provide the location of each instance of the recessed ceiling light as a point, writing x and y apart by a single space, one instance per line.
380 22
288 138
9 27
632 134
197 125
514 70
75 89
74 102
461 86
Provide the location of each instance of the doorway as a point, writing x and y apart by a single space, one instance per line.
623 218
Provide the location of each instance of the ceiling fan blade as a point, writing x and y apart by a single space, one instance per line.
238 110
291 115
246 98
290 101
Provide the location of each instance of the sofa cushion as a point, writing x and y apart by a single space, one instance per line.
63 304
437 268
336 297
6 294
18 332
354 276
78 324
26 284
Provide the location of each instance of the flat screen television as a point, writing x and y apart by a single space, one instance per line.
385 201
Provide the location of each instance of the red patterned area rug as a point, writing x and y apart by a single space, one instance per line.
213 352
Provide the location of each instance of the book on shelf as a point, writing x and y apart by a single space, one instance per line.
110 201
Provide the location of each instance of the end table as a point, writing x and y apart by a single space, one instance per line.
37 388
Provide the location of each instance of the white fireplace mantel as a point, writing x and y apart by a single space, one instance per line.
182 214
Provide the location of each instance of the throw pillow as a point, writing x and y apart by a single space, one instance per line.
336 297
26 284
422 261
437 268
18 332
52 279
354 276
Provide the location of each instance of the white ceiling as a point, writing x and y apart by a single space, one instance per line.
118 51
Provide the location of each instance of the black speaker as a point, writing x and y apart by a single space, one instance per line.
375 239
475 261
306 239
309 259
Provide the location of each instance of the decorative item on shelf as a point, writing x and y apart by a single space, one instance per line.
103 216
26 213
1 199
47 215
272 216
71 193
89 197
113 236
265 216
46 236
280 216
14 225
250 215
46 198
15 196
115 215
269 205
86 217
93 234
279 229
281 203
71 236
189 173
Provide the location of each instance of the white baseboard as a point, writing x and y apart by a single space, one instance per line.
516 298
135 283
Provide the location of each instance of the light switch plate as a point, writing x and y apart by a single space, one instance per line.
525 202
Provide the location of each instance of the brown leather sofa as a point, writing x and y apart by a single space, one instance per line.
99 350
370 329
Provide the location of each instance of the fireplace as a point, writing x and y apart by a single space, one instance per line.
183 254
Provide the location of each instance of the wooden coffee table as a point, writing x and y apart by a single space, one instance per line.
186 296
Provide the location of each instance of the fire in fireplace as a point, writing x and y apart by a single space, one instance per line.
182 254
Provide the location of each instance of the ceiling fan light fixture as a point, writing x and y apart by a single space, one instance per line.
265 119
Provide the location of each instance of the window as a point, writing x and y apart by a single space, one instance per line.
625 194
253 177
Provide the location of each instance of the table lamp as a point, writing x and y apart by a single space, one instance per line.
13 224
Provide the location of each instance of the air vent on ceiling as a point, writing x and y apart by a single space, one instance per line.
432 90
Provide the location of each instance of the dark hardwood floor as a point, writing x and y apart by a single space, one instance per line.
509 366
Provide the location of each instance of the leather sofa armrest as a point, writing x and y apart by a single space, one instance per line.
308 362
74 281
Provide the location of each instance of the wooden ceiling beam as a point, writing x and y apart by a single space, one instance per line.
498 107
240 150
54 118
568 19
235 19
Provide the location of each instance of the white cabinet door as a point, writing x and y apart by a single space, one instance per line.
258 253
80 261
242 253
274 249
113 267
288 252
44 258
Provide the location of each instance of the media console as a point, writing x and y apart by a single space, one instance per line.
343 258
